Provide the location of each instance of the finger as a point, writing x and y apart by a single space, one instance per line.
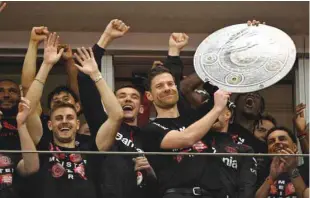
289 151
78 58
86 54
126 29
79 67
139 158
45 31
185 36
122 27
91 52
49 39
25 100
57 41
143 167
81 54
61 51
45 42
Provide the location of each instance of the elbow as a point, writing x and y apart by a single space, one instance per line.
33 169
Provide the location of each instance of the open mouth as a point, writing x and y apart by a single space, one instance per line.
249 102
127 108
65 129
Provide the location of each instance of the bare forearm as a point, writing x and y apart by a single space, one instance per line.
72 72
104 41
29 66
112 106
30 160
36 89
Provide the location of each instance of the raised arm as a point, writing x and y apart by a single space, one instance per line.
302 128
107 131
36 89
30 161
2 6
38 34
93 111
195 132
72 71
177 41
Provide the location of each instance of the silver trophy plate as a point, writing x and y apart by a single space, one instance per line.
242 58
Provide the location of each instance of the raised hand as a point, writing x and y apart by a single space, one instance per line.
290 162
67 54
38 34
277 167
23 111
254 23
87 61
178 40
299 118
116 28
51 57
220 99
2 6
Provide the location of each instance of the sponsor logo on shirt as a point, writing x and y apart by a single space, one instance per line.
159 125
230 162
126 141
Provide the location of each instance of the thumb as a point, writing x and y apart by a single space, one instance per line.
61 51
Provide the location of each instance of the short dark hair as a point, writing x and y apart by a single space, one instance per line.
155 72
59 105
269 117
9 80
129 86
282 128
57 91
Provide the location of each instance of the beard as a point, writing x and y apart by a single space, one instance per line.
10 112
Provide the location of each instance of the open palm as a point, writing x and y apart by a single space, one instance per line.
87 61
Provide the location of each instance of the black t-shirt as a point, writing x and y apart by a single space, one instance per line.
119 178
178 171
232 175
284 188
9 138
64 175
8 164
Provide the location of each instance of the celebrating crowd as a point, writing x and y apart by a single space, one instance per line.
187 120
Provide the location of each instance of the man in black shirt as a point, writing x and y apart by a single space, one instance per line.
171 131
119 177
285 179
70 175
228 176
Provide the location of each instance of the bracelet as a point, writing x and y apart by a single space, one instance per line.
98 78
39 81
302 137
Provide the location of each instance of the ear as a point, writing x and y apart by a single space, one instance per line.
149 96
49 125
77 107
78 124
227 114
141 109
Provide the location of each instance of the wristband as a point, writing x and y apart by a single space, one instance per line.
302 137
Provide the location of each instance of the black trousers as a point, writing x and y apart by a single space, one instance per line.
175 195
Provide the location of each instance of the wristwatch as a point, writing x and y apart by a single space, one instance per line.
294 173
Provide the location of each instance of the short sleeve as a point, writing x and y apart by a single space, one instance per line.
152 136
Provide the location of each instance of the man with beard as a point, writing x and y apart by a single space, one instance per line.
9 99
178 175
119 177
25 165
70 175
266 123
285 179
229 176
